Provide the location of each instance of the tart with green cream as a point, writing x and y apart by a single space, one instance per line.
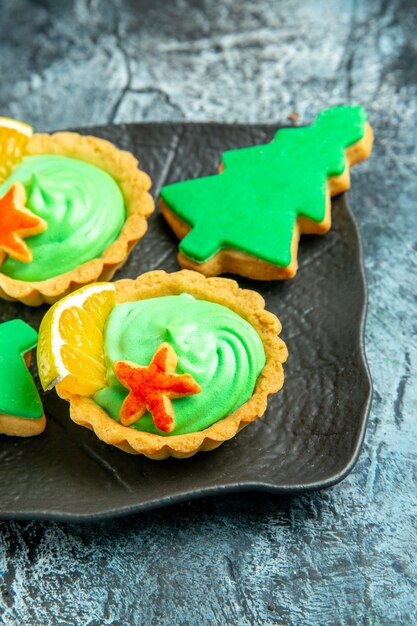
71 209
168 364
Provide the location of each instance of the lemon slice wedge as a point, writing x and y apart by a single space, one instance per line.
71 342
14 136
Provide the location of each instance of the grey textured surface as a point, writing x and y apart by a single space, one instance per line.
345 556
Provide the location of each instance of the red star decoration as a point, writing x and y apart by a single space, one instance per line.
152 388
17 222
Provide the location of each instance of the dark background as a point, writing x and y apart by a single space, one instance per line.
344 556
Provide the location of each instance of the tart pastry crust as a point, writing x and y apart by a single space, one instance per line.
134 184
249 305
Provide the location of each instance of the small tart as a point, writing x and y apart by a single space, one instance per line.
245 303
134 185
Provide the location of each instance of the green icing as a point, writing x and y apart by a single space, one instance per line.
82 205
18 393
254 203
220 349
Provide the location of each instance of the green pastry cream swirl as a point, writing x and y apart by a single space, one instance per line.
220 349
82 205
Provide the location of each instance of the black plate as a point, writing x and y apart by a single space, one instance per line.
310 436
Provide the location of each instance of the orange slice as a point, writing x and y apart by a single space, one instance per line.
14 136
70 345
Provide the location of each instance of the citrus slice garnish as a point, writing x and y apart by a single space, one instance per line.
71 344
14 136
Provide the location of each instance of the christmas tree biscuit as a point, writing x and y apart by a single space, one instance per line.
248 218
21 412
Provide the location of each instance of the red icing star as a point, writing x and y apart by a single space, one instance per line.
152 388
17 222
